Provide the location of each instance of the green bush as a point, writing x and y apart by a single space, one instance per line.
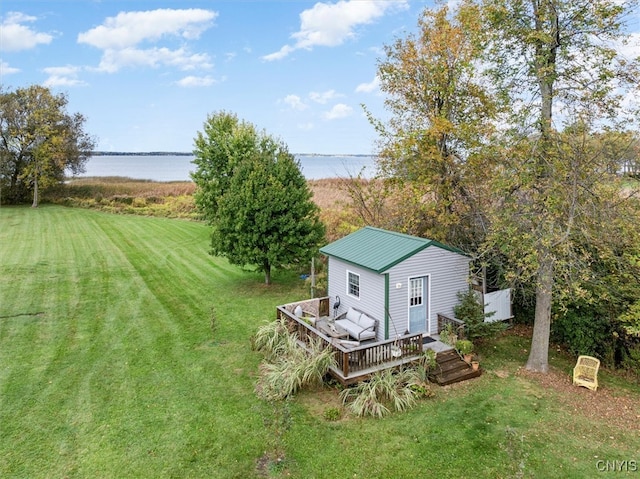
139 202
425 365
428 360
124 199
464 346
631 359
584 331
448 335
472 313
332 414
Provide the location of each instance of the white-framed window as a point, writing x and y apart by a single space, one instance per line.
416 292
353 284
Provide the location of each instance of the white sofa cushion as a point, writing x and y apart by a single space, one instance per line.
366 322
358 325
353 315
349 326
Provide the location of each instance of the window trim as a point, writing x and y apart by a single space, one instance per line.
349 284
413 290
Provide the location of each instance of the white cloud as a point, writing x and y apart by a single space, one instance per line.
5 69
305 126
60 81
331 24
14 36
372 86
338 111
193 81
280 54
114 60
131 28
294 102
324 97
63 76
120 37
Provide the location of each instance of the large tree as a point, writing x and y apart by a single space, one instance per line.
525 161
39 141
558 64
441 114
251 190
224 142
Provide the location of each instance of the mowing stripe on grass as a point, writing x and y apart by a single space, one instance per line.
108 367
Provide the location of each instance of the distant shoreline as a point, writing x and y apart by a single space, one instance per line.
177 166
184 153
141 153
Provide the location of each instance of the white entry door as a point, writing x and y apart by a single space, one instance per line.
418 304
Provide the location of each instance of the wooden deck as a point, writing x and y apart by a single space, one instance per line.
355 363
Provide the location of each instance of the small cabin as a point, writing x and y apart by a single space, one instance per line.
401 281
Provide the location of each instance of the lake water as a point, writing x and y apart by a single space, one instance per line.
177 168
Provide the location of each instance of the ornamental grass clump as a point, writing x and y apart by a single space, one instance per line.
426 364
273 339
384 392
288 367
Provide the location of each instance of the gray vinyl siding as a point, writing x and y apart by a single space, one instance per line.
372 286
448 274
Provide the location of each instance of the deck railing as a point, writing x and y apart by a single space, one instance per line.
353 363
458 325
316 307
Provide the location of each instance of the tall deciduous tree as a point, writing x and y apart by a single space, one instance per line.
527 155
441 112
251 190
558 64
39 141
224 142
623 151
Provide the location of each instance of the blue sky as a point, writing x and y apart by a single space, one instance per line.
147 73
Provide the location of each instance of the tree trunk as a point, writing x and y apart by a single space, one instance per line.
539 355
35 193
547 29
267 271
12 194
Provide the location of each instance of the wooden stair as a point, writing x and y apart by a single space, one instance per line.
451 368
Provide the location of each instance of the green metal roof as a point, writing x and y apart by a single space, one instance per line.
377 249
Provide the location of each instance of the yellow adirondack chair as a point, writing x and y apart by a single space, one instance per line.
585 373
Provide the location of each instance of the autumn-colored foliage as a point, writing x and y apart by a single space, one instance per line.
175 199
126 195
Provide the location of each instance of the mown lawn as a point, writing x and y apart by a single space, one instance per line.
110 367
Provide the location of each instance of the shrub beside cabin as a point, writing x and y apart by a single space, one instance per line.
401 281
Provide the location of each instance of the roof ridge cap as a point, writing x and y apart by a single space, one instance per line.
400 234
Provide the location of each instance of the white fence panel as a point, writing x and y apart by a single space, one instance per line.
500 303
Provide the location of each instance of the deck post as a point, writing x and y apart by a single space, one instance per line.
345 364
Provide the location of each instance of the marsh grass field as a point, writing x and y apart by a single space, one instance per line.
125 353
173 199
